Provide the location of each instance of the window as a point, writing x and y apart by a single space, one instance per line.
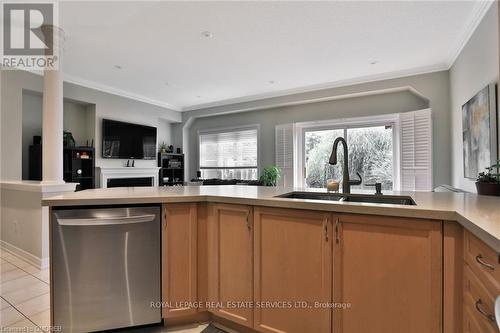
229 154
393 149
370 151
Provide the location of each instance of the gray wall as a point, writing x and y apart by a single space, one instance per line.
31 126
474 69
106 106
79 119
434 86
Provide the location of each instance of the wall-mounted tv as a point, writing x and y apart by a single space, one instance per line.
128 141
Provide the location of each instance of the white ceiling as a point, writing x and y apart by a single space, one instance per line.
302 45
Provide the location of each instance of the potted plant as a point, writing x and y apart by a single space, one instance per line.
270 176
488 183
163 147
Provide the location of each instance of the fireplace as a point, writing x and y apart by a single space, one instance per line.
128 182
128 176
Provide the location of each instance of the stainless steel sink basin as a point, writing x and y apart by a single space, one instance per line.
371 198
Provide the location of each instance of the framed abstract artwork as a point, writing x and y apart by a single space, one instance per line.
479 120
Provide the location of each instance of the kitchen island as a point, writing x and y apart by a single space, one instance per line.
243 257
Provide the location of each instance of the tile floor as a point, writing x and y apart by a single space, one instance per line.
25 302
24 295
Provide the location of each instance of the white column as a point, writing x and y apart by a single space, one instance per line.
52 123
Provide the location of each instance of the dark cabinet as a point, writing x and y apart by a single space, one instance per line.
79 165
171 169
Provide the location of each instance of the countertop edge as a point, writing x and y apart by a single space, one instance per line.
345 207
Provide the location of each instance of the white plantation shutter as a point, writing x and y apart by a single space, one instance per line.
284 135
416 150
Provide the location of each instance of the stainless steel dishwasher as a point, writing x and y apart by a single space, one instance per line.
106 267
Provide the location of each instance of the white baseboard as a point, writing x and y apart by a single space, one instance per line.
41 263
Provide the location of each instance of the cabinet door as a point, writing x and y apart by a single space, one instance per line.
231 264
179 240
292 271
389 271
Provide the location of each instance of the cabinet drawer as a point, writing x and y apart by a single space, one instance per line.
479 303
483 261
470 322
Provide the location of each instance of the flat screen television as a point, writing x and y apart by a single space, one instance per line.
128 141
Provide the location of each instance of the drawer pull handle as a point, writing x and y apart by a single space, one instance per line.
479 259
249 226
484 313
337 236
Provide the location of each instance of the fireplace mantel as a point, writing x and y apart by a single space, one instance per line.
126 172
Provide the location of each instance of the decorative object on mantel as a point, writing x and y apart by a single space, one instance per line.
488 183
270 176
479 131
163 147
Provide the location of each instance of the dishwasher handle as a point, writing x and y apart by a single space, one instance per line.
106 220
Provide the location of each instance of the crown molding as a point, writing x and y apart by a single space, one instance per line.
318 87
480 9
258 97
478 12
115 91
110 90
312 100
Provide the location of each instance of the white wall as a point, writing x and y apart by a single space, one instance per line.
474 69
106 106
75 121
21 225
165 132
78 119
433 87
31 126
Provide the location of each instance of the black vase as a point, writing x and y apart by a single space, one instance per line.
68 140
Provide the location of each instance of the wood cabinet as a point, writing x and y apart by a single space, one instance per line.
453 266
481 285
292 265
276 270
389 270
230 246
179 259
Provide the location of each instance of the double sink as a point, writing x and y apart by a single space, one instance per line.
340 197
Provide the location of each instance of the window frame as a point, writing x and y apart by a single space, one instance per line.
229 129
345 124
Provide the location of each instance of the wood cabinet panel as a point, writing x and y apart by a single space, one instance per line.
231 262
390 272
483 261
479 302
202 252
470 323
452 277
293 263
179 259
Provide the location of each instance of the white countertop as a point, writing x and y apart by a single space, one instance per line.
478 214
37 186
